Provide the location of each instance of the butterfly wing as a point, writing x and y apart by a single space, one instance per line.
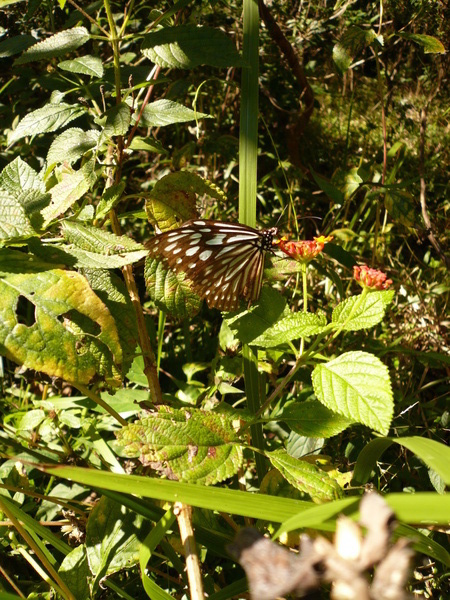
223 261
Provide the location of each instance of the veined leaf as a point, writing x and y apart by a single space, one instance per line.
85 65
188 445
305 476
357 386
14 223
188 46
363 311
65 193
49 118
166 112
71 145
430 44
57 45
292 327
312 419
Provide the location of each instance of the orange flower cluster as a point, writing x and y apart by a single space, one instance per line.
371 278
304 250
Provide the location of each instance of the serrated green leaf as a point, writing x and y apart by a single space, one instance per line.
170 291
73 334
109 199
357 386
14 223
115 121
351 43
65 193
31 419
312 419
363 311
251 323
15 44
113 537
75 573
292 327
85 65
71 145
188 445
305 476
173 199
188 46
98 240
166 112
18 176
430 43
49 118
57 45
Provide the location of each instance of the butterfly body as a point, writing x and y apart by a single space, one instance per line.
223 261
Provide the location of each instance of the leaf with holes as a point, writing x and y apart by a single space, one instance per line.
187 445
357 386
305 476
52 321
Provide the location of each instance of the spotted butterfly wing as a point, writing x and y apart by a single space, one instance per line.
223 261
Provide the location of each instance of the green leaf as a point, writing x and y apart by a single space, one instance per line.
251 323
357 386
305 476
292 327
189 445
31 419
109 199
155 536
98 248
148 144
15 44
64 194
18 177
363 311
115 121
173 199
113 537
71 145
72 329
351 43
14 223
312 419
74 571
57 45
401 206
170 291
166 112
430 44
85 65
49 118
188 46
434 454
329 188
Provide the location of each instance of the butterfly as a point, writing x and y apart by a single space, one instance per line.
224 262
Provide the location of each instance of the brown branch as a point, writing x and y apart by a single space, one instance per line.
297 128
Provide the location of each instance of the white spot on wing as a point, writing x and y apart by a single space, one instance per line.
192 251
217 240
199 223
205 254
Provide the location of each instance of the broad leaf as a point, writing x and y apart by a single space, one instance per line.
166 112
85 65
14 223
305 476
18 176
251 323
72 336
351 43
49 118
109 199
57 45
113 537
71 145
188 445
170 291
357 386
292 327
74 571
401 206
363 311
430 44
73 186
15 44
312 419
188 46
173 199
115 121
